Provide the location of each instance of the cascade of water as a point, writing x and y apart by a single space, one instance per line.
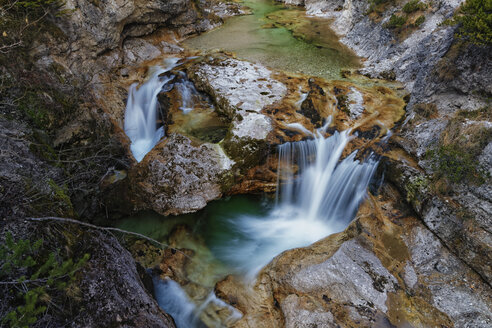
314 201
324 190
303 96
141 112
317 195
188 93
173 299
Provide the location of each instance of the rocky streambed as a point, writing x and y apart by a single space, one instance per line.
355 278
295 176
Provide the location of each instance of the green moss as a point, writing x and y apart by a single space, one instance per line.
456 164
419 21
35 109
413 6
415 187
396 21
53 200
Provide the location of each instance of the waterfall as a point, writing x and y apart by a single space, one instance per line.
141 112
173 299
188 93
317 195
325 189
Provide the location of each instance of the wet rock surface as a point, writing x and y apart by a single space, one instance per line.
241 90
446 77
386 269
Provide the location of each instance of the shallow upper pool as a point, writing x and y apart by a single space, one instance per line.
282 38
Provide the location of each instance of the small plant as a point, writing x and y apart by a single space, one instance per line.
456 164
419 21
475 21
416 185
425 110
39 278
376 5
396 21
484 113
413 6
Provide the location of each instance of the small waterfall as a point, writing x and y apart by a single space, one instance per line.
189 94
173 299
325 189
317 195
141 112
303 96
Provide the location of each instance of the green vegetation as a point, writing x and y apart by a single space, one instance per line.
475 21
455 164
484 113
378 6
419 21
396 21
400 20
61 199
41 278
416 186
455 158
413 6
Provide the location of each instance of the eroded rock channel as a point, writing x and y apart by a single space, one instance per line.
260 164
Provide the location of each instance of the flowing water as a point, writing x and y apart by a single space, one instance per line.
141 111
318 192
242 235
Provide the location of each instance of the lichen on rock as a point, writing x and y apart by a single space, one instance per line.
178 177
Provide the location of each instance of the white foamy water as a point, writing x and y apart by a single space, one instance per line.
317 195
141 111
321 198
173 299
189 94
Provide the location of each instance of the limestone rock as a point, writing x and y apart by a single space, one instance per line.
139 50
108 290
237 86
386 269
177 177
241 91
461 220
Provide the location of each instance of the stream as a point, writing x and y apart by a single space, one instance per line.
241 234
